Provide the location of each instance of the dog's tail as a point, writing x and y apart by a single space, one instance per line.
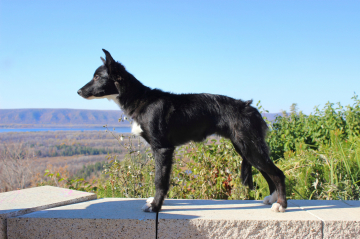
246 174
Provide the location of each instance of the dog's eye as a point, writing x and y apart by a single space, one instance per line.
96 77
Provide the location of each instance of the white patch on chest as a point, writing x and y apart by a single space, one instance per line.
136 128
113 98
109 97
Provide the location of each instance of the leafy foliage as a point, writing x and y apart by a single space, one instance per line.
88 170
61 179
133 176
289 130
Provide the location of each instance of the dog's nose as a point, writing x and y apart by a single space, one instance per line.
79 92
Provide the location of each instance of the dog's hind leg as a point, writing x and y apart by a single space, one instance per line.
246 173
247 180
163 161
273 193
278 177
257 156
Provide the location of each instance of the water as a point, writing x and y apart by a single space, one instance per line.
118 130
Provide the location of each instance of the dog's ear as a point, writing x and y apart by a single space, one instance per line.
115 70
103 60
109 63
109 59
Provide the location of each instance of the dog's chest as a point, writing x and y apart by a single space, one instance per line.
136 128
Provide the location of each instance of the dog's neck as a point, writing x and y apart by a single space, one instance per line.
131 95
113 98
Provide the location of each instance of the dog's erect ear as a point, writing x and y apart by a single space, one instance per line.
109 63
103 60
115 70
109 59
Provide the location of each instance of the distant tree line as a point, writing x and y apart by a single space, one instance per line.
88 170
77 149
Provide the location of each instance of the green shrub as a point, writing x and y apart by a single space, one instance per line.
289 130
131 177
331 172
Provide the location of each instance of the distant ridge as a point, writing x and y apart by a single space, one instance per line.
271 116
34 118
59 118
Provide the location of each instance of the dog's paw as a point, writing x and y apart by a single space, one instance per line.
271 198
267 200
276 207
147 206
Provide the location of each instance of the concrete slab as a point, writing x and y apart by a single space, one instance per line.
29 200
340 219
353 203
123 218
102 218
234 219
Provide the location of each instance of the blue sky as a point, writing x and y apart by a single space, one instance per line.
279 52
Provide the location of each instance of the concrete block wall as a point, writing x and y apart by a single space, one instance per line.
123 218
21 202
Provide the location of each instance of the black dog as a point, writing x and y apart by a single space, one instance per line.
166 120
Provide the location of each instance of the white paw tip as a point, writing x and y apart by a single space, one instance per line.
150 199
276 207
271 198
147 205
281 209
267 200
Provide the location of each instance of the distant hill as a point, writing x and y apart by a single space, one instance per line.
59 118
67 118
271 116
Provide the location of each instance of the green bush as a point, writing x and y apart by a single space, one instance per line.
288 130
131 177
90 169
331 172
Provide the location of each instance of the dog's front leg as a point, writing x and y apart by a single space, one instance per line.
163 161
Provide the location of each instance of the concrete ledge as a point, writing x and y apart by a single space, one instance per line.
102 218
123 218
20 202
341 219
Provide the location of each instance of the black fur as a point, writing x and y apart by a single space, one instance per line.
168 120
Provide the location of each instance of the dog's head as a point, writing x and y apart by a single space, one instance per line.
102 85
